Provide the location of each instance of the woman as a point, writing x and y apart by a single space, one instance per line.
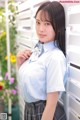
42 75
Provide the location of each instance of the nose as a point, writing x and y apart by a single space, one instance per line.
41 28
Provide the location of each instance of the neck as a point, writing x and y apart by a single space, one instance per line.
41 42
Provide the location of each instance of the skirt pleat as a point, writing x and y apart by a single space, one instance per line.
34 111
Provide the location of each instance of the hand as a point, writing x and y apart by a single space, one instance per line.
22 56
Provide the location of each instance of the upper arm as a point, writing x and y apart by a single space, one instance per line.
51 101
52 98
56 68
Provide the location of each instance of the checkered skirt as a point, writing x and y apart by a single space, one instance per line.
34 111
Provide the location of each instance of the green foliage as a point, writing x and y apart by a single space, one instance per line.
3 52
13 32
2 19
8 90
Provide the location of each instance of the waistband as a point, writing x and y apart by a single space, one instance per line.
35 103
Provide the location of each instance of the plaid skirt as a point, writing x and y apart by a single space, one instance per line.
34 111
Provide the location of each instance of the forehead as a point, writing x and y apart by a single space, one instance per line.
43 15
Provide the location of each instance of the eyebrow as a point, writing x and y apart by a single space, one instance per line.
44 20
37 19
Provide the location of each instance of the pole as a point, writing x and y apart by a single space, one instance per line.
8 54
8 39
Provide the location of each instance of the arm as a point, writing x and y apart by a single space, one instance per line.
56 68
51 103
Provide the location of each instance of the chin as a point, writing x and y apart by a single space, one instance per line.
43 41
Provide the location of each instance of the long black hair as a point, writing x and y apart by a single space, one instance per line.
56 16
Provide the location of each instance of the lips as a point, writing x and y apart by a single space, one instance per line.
42 35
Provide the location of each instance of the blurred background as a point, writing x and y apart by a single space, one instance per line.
17 32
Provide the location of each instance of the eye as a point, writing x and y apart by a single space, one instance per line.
37 22
47 23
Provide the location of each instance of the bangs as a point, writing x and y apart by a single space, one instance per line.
44 16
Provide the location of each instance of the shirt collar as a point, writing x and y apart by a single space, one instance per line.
49 46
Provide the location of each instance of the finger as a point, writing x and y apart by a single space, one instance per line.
27 53
24 55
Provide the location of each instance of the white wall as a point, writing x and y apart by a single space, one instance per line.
73 55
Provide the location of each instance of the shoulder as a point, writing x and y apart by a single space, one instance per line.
57 55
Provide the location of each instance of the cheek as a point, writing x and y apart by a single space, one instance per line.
52 34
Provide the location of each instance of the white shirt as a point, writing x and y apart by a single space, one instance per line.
44 75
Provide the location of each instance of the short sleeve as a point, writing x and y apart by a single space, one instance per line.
56 69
